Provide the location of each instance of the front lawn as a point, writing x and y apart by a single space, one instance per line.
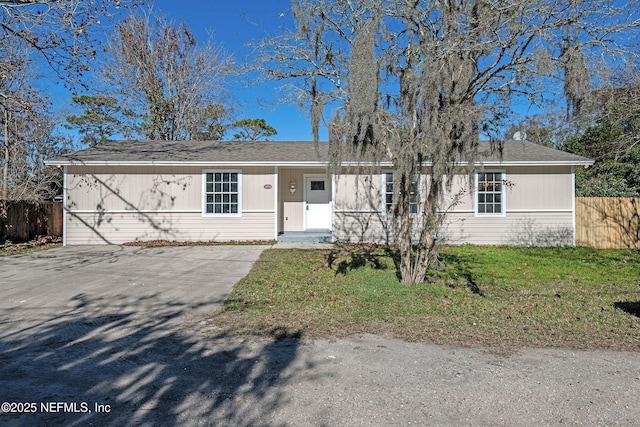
503 298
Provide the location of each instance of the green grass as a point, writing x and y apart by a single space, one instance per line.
503 298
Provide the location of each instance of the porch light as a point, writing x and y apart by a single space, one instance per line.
292 186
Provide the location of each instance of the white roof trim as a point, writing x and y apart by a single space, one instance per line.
300 164
178 163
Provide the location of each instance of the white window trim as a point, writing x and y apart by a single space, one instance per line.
420 202
204 193
503 204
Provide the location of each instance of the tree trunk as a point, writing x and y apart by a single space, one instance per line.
415 260
405 247
5 166
408 259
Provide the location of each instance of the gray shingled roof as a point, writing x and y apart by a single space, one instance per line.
273 153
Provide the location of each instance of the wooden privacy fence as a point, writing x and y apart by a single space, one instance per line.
608 222
21 221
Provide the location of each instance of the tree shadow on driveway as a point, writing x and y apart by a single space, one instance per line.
140 359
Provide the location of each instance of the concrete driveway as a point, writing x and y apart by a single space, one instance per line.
77 320
190 279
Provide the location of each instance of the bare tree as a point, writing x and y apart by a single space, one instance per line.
32 139
58 31
18 99
416 82
173 82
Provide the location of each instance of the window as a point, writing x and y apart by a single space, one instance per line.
222 193
317 185
414 197
490 197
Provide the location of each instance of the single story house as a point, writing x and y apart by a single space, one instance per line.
232 191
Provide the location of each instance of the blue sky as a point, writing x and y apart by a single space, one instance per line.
234 24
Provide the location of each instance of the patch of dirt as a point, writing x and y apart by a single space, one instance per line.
40 242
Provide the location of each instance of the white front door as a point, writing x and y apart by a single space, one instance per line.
318 205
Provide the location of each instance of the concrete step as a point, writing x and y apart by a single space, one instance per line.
316 236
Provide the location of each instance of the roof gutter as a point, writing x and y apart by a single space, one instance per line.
492 163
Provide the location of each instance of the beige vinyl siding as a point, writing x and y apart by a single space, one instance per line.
540 228
255 197
531 229
121 227
538 210
121 204
361 227
152 188
291 206
539 188
355 193
133 188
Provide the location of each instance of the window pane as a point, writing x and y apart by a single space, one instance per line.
490 192
317 185
221 192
